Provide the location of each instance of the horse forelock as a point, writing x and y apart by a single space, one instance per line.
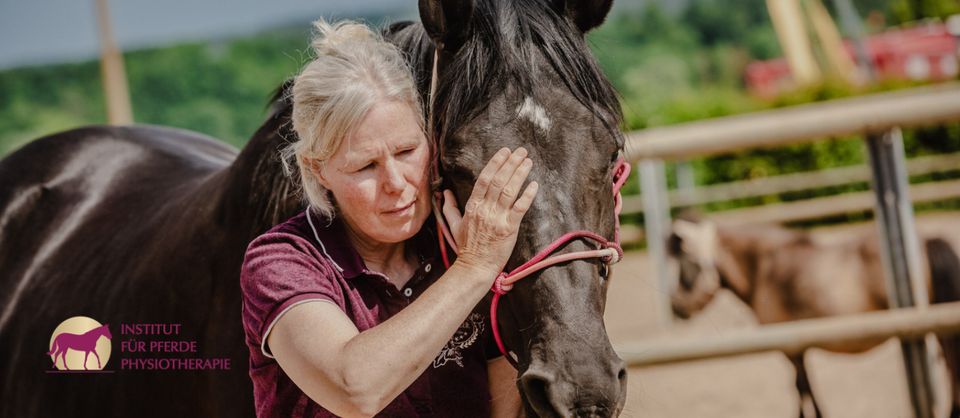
511 44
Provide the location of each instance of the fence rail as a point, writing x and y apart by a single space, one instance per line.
921 106
794 337
832 205
795 182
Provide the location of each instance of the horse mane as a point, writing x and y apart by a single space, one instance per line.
505 38
493 57
280 99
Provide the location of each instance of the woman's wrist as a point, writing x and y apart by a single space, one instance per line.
483 273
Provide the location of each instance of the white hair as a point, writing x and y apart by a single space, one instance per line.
354 69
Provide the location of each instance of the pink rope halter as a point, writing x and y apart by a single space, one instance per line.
608 251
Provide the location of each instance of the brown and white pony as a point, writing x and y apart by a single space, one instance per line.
783 275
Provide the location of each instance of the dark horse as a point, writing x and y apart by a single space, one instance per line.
149 225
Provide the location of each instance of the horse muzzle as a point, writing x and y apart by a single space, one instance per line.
591 388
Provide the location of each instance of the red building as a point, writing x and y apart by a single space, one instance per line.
925 52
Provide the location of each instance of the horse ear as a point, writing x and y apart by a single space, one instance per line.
586 14
446 21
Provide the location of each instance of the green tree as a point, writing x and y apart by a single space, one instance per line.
908 10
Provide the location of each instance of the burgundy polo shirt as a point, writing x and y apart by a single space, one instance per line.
310 259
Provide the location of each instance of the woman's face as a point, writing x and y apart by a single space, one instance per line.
379 176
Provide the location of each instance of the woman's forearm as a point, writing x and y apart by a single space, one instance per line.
378 364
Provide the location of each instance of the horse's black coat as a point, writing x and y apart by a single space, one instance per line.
149 224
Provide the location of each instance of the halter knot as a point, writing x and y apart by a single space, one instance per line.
499 287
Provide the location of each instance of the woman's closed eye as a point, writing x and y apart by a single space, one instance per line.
406 152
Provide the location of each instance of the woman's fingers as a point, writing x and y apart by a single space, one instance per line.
522 205
500 180
486 176
491 219
512 189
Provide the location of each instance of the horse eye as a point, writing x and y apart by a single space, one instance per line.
604 270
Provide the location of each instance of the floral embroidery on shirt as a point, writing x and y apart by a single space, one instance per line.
468 333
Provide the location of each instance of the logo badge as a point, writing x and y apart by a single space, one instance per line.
80 344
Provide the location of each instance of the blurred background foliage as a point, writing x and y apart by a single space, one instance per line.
670 65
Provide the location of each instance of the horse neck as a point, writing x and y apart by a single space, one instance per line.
95 332
258 194
736 261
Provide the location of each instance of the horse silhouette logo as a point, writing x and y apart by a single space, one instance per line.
75 339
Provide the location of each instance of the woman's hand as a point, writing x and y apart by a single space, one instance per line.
487 231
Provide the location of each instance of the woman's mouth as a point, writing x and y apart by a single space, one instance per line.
401 210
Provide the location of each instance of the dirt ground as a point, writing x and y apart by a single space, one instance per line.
864 385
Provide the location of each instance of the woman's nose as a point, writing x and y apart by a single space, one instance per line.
393 181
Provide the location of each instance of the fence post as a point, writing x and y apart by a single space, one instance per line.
656 223
686 180
900 250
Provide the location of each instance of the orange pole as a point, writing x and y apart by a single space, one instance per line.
831 42
787 18
112 72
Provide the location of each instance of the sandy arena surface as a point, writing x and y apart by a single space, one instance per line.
868 385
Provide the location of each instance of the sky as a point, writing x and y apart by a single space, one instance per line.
48 31
34 32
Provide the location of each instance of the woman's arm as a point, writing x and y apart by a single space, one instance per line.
357 374
504 394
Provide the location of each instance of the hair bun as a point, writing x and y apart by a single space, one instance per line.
333 37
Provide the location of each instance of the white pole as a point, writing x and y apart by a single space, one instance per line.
656 219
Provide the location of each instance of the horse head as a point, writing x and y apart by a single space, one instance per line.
519 73
105 331
694 246
711 256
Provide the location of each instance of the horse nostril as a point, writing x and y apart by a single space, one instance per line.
619 367
536 387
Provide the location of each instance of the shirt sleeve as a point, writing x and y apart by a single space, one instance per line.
281 270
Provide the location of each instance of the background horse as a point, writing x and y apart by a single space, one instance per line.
149 224
783 276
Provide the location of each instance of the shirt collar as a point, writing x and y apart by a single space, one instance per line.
331 235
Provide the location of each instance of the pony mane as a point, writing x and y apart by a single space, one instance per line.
505 37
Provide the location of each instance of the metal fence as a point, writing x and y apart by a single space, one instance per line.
879 118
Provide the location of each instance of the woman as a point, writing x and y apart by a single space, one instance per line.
345 307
